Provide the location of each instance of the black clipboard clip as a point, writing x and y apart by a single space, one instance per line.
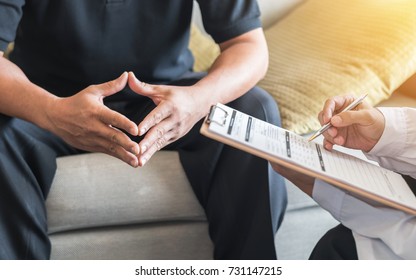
217 115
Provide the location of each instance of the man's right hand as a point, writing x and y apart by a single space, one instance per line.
83 121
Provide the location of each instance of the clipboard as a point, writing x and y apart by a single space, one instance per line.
361 178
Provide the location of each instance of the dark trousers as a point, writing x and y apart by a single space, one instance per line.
337 244
243 198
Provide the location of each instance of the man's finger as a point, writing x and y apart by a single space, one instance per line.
157 145
157 115
141 87
111 148
120 138
114 86
157 133
115 119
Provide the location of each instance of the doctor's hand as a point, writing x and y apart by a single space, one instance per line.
177 110
84 122
360 128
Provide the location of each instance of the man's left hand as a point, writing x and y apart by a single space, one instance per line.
177 111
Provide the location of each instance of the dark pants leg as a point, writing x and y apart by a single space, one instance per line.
27 167
244 199
337 244
236 188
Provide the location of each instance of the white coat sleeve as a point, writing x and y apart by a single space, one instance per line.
393 228
396 149
380 228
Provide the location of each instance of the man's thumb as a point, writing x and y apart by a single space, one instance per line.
114 86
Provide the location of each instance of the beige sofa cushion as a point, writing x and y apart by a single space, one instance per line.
101 208
96 190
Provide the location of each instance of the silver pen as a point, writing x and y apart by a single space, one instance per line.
328 125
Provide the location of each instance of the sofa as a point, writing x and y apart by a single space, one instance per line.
100 208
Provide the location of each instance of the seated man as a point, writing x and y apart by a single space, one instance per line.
56 99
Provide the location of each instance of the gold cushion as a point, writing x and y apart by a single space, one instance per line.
9 50
203 48
326 48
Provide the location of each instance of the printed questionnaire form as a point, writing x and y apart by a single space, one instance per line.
287 148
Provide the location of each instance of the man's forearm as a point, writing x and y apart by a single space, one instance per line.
242 63
21 98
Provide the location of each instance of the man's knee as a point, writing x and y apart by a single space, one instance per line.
260 104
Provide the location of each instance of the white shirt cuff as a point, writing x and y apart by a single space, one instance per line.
394 134
328 197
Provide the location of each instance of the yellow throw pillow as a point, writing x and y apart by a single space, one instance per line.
326 48
203 48
9 50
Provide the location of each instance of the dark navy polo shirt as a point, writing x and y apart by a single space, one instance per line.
66 45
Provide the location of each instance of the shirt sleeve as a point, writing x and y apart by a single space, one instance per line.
396 149
328 197
396 229
226 19
383 228
10 15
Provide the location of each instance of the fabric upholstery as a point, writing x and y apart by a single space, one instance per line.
326 48
151 241
98 190
99 207
203 48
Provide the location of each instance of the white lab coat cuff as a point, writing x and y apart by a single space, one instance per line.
328 197
393 139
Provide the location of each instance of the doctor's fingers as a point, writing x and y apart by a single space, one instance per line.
333 106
